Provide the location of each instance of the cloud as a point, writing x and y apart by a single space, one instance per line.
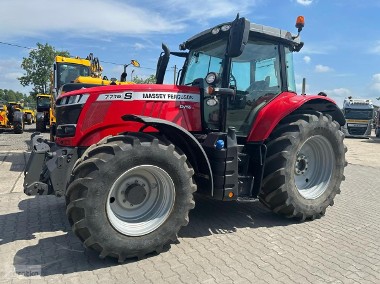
138 46
10 70
86 17
322 68
375 86
305 2
210 9
307 59
376 48
105 19
320 48
340 92
376 77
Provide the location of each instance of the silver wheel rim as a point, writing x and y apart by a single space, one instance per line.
140 200
313 167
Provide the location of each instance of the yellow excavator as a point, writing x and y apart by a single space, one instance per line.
12 117
44 116
65 70
87 71
73 73
29 116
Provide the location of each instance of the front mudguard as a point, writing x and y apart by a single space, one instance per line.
48 168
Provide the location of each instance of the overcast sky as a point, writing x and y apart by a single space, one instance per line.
341 55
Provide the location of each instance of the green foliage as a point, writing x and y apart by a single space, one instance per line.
12 96
38 67
150 80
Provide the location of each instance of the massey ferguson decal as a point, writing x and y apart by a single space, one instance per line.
147 96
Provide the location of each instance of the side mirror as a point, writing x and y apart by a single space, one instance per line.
162 64
239 33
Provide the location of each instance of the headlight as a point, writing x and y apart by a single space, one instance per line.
225 28
72 100
215 31
212 78
66 130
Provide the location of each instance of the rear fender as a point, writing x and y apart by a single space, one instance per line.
286 103
185 141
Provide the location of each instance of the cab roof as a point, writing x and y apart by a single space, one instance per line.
271 33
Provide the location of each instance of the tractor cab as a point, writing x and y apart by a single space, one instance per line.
43 102
239 67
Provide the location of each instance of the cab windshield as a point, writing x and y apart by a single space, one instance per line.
204 60
43 102
358 114
255 75
67 73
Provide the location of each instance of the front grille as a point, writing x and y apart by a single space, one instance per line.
356 130
68 114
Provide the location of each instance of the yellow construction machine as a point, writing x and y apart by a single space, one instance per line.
45 116
12 117
29 116
72 73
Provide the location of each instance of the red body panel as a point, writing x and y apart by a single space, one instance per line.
271 114
102 112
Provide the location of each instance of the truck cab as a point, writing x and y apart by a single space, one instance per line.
359 114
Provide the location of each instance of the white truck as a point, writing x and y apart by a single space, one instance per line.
359 115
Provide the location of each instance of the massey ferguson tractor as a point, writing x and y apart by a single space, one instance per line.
129 158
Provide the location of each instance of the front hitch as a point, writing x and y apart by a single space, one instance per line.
34 182
48 168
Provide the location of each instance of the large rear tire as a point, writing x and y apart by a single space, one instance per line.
18 122
40 126
304 166
130 195
18 127
377 132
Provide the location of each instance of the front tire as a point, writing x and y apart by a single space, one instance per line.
18 127
304 166
40 126
130 195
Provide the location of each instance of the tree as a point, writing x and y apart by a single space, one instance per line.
38 67
10 95
150 80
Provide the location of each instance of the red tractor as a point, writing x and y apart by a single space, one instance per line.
129 158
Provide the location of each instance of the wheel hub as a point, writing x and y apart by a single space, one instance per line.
140 200
301 165
135 194
314 167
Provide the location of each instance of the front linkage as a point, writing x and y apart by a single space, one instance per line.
48 168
